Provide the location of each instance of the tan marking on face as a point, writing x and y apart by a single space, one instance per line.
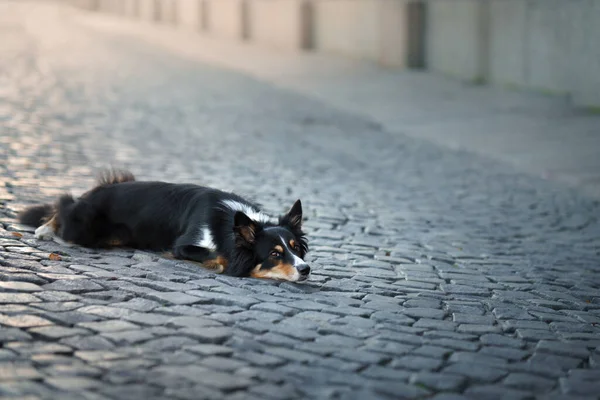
292 243
278 248
282 271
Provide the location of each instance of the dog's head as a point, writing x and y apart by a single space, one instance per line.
278 250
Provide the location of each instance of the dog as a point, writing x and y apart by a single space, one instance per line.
220 230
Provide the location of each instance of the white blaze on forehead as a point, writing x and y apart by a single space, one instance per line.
297 260
206 239
252 213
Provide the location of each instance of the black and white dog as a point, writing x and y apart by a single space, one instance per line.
221 230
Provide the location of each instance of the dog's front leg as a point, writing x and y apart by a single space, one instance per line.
209 259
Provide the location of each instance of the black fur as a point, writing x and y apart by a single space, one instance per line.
164 216
36 215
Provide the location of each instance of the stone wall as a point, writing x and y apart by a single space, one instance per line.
546 45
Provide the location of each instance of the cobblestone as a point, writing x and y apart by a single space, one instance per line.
437 273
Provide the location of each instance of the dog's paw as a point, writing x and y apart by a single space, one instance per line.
44 232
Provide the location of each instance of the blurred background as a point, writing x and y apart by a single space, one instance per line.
514 80
545 45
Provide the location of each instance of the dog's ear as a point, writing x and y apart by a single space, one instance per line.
293 218
245 230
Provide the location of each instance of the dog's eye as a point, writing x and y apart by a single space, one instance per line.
297 248
275 254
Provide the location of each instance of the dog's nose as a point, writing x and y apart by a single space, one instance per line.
303 269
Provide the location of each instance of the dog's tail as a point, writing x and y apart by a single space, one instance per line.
36 215
112 176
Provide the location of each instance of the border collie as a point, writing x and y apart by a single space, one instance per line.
220 230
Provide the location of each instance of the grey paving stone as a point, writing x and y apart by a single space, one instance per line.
191 322
505 352
449 396
17 309
23 321
108 326
363 357
439 382
130 391
476 372
401 390
57 332
299 333
271 391
511 312
151 319
173 297
260 359
17 298
169 343
496 392
264 316
88 343
501 340
254 326
386 316
432 335
432 351
198 374
70 317
437 324
163 286
221 363
196 392
389 347
28 349
550 360
473 319
529 382
478 329
464 290
73 383
16 286
7 355
337 340
73 369
416 363
208 335
105 311
348 311
562 348
476 358
13 371
512 325
291 354
223 299
456 344
59 306
73 286
430 313
209 349
57 296
138 304
534 335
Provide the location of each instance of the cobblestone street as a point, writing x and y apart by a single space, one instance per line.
436 273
